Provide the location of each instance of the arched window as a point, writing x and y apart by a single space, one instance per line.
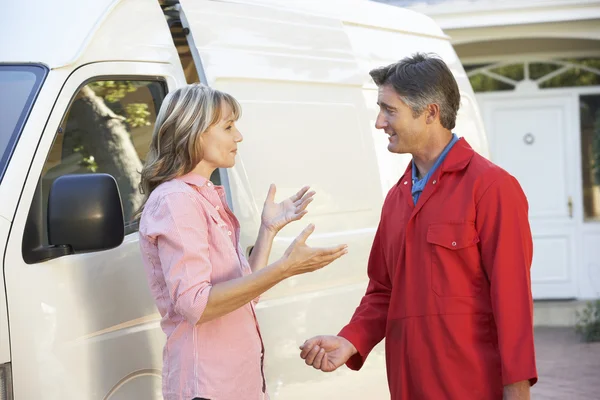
534 74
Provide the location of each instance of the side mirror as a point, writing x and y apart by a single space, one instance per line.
85 213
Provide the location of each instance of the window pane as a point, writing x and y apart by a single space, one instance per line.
483 83
107 129
19 85
573 77
590 158
514 72
471 67
576 76
538 70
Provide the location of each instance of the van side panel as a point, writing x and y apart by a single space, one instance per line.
4 338
305 123
375 47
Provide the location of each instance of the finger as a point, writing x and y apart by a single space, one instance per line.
326 260
306 233
271 193
318 359
299 216
300 193
325 364
312 355
307 196
337 255
307 346
328 251
304 203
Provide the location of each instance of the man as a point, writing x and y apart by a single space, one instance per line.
449 270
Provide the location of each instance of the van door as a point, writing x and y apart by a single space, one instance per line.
305 123
84 326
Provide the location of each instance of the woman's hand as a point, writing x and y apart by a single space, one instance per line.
277 215
299 258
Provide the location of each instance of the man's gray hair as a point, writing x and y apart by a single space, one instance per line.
420 80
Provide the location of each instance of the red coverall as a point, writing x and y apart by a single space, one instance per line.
449 285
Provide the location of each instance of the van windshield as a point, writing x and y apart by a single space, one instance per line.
19 86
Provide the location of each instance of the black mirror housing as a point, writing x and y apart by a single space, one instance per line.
85 213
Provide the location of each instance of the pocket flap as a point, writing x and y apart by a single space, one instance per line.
453 236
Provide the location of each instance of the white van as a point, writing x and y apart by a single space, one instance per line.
80 85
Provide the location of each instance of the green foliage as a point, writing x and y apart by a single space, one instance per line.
516 72
87 160
581 74
596 149
137 114
112 91
588 322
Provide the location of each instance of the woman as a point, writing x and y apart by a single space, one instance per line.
204 287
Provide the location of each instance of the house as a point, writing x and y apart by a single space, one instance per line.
535 68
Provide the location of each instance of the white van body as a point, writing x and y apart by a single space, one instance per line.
83 325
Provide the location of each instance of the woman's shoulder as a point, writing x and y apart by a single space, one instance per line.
173 201
169 192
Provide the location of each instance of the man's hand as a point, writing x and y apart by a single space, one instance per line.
327 353
277 215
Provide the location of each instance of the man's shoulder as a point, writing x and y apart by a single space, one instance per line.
486 173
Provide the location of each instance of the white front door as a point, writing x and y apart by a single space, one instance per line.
531 137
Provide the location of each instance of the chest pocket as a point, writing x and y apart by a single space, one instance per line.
456 269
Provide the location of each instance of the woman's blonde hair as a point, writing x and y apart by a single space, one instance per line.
175 150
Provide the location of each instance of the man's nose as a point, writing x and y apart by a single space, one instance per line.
380 122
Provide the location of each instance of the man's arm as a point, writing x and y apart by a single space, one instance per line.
367 326
507 251
517 391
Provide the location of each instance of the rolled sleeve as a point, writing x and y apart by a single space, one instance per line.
367 326
183 248
507 252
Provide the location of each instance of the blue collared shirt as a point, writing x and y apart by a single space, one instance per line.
419 184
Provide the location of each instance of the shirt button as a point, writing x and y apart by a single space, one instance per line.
229 233
406 182
434 182
217 208
454 244
209 184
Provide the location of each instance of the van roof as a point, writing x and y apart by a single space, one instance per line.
58 33
362 12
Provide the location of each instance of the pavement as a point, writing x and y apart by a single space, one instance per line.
568 368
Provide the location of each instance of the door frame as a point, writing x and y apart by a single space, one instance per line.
572 143
38 293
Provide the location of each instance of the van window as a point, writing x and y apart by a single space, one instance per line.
107 129
19 85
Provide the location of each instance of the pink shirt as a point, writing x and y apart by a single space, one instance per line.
189 240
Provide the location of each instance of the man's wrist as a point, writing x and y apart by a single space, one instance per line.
353 349
517 391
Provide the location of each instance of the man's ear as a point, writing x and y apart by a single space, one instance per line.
433 113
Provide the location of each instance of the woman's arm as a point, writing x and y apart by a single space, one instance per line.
274 217
183 249
228 296
262 249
